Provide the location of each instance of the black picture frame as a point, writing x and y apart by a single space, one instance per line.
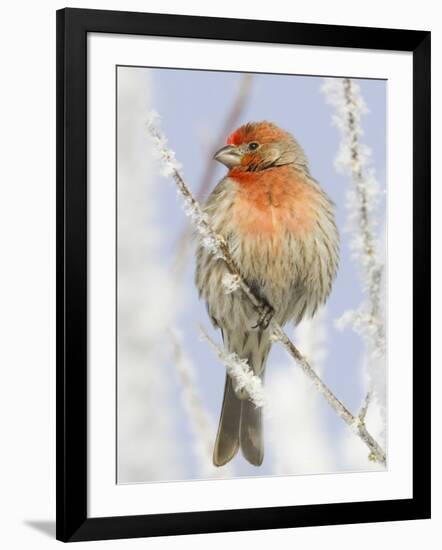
73 25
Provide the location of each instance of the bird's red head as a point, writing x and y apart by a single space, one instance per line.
261 132
259 145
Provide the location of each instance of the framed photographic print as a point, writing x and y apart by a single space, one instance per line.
238 198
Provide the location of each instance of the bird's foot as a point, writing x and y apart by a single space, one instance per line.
266 313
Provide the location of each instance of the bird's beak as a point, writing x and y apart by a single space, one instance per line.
229 155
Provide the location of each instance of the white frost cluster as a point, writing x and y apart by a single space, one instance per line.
200 221
168 161
231 282
239 370
333 90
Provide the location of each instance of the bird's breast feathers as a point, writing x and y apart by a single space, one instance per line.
269 205
268 218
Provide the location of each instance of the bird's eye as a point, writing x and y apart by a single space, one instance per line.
253 146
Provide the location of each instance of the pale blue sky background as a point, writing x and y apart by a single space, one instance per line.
193 106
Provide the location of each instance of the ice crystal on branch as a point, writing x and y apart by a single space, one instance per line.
169 164
231 283
239 371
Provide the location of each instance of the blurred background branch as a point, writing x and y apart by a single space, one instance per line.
145 427
201 424
231 121
363 197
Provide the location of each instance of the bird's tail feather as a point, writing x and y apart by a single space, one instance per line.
227 437
240 422
251 434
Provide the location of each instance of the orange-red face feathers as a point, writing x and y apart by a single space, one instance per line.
256 146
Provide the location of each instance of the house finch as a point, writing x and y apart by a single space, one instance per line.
280 228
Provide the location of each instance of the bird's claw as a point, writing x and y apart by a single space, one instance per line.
266 313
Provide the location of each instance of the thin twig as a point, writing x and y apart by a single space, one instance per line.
230 122
217 245
363 412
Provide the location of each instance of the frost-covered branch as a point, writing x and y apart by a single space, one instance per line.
239 371
216 245
362 200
